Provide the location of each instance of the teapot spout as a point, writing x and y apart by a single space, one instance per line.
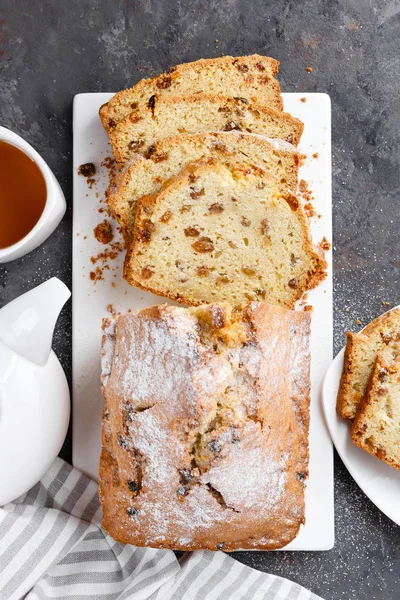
27 323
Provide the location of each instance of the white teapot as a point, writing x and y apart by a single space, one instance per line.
34 394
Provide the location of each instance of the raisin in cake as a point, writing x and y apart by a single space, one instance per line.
249 77
205 426
215 234
146 173
376 426
198 113
359 359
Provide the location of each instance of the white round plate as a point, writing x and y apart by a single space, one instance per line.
377 480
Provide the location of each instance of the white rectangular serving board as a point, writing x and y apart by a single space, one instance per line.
90 300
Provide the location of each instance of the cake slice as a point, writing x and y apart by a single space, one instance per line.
219 234
198 113
359 359
376 427
250 77
146 174
205 426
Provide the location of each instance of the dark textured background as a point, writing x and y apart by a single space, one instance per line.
50 51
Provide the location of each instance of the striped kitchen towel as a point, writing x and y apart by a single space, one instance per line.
52 546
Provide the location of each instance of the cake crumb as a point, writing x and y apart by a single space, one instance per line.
103 232
308 308
324 244
303 99
96 275
315 155
111 309
110 253
309 69
87 170
353 25
307 197
303 300
303 185
309 209
358 322
110 164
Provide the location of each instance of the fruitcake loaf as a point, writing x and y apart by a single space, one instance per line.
205 426
360 356
198 113
146 174
376 427
219 234
250 77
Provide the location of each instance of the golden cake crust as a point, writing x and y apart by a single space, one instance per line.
205 426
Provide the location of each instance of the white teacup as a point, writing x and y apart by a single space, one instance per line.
53 211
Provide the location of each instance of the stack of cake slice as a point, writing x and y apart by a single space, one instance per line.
369 392
206 189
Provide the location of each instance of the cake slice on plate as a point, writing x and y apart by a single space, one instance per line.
376 427
198 113
219 234
249 77
146 174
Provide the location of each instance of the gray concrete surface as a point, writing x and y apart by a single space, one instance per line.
50 51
